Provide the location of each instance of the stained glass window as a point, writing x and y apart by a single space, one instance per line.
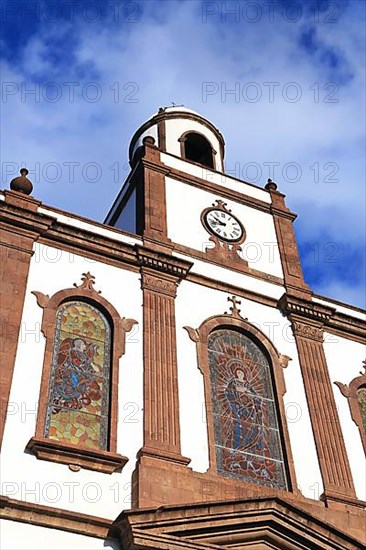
361 398
247 438
78 398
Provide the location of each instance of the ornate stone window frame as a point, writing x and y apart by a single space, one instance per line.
76 456
182 141
350 392
277 362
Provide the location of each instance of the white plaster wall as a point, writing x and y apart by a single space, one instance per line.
24 536
344 359
184 206
218 178
23 476
175 128
194 304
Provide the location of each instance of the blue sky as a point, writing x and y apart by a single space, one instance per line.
283 81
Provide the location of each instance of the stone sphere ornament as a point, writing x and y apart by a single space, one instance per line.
21 183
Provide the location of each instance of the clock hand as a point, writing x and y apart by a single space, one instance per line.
219 222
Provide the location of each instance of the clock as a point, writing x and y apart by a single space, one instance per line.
222 224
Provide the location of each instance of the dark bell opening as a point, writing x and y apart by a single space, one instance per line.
198 149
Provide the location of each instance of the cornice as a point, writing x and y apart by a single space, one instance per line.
24 219
298 308
348 327
56 518
159 261
320 316
90 243
156 167
207 185
283 213
199 279
246 270
245 522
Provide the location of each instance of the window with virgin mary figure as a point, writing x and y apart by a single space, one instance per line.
248 442
78 394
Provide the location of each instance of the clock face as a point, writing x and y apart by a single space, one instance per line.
224 225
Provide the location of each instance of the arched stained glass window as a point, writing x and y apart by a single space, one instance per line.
247 437
361 399
78 396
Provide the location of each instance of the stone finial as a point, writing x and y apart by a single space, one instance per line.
149 140
235 312
21 183
270 185
88 281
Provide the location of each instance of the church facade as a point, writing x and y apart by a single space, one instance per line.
169 379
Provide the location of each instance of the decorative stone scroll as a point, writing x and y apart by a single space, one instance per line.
355 393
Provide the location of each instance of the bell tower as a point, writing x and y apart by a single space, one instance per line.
178 192
179 133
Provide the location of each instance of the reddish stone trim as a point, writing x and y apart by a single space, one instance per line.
275 519
238 266
308 321
122 255
52 210
162 135
20 227
56 518
231 289
105 462
200 337
217 189
267 521
283 219
333 302
164 115
350 392
346 326
120 326
160 276
161 406
155 216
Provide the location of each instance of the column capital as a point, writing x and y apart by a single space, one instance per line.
302 310
162 262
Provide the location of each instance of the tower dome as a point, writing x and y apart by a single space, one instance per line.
182 132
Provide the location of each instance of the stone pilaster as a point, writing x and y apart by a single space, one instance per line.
20 227
160 276
307 321
283 220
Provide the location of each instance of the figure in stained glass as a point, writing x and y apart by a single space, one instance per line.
246 406
78 402
247 438
75 383
361 398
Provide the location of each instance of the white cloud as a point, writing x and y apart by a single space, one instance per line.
166 56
